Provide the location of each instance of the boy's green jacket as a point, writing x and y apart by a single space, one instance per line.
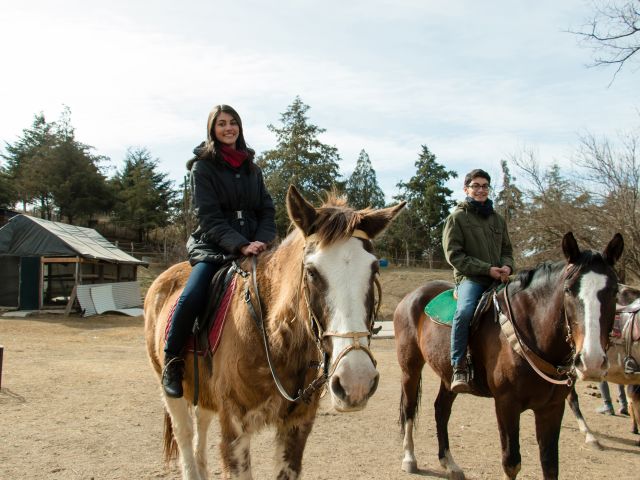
473 244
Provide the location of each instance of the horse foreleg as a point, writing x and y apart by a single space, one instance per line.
203 420
591 439
442 406
182 424
508 415
290 443
409 403
235 453
548 423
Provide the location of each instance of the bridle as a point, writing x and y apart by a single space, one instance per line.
319 333
355 336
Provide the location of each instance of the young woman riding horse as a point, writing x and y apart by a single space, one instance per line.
235 217
310 304
552 324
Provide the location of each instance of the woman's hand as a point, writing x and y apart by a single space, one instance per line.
253 248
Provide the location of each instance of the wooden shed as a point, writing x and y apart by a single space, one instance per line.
42 263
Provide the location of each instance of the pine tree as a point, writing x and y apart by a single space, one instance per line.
28 165
509 201
428 205
362 186
300 159
78 187
144 196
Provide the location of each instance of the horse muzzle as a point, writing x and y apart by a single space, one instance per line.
591 368
353 382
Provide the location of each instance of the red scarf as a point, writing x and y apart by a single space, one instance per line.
233 157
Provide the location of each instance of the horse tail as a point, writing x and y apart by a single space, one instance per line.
170 447
408 407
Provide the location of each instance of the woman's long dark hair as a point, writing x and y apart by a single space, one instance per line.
212 145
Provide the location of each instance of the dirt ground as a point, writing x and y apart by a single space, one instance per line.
79 401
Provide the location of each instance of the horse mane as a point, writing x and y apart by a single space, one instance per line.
546 272
336 221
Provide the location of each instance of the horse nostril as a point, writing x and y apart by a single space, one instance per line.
337 389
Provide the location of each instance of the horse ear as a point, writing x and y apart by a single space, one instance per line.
613 251
570 248
376 221
301 212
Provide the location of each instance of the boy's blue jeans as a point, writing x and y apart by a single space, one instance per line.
469 294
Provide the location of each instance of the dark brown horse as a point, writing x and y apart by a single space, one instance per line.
317 293
562 314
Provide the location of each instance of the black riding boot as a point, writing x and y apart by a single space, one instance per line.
172 376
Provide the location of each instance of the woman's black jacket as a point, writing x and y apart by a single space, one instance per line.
233 208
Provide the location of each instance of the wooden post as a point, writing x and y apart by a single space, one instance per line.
1 355
72 298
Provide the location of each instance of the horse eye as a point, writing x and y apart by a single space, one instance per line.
311 273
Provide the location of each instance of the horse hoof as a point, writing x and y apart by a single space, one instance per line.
456 475
594 445
410 466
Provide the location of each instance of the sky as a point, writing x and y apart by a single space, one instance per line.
476 82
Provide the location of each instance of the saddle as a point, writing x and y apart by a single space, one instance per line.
208 326
442 307
626 331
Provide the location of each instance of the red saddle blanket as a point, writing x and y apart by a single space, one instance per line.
217 325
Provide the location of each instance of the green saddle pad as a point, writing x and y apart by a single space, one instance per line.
442 307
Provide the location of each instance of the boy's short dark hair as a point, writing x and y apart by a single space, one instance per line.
478 172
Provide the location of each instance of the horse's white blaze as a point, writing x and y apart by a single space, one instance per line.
346 268
592 353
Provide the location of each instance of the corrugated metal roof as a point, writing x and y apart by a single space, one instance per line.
25 235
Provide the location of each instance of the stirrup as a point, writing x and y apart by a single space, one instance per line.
631 366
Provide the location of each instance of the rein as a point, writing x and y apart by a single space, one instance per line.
319 333
543 368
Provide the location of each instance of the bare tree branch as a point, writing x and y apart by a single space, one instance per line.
613 33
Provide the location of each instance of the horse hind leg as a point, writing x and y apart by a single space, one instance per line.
182 425
203 420
442 406
409 403
590 438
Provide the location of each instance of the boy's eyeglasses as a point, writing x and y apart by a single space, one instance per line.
477 186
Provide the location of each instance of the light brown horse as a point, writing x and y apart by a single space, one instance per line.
563 313
316 297
616 354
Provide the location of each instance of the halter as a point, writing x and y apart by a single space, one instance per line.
316 327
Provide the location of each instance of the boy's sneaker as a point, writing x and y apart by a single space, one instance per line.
605 410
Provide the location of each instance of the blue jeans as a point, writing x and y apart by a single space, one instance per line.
606 395
190 304
469 294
